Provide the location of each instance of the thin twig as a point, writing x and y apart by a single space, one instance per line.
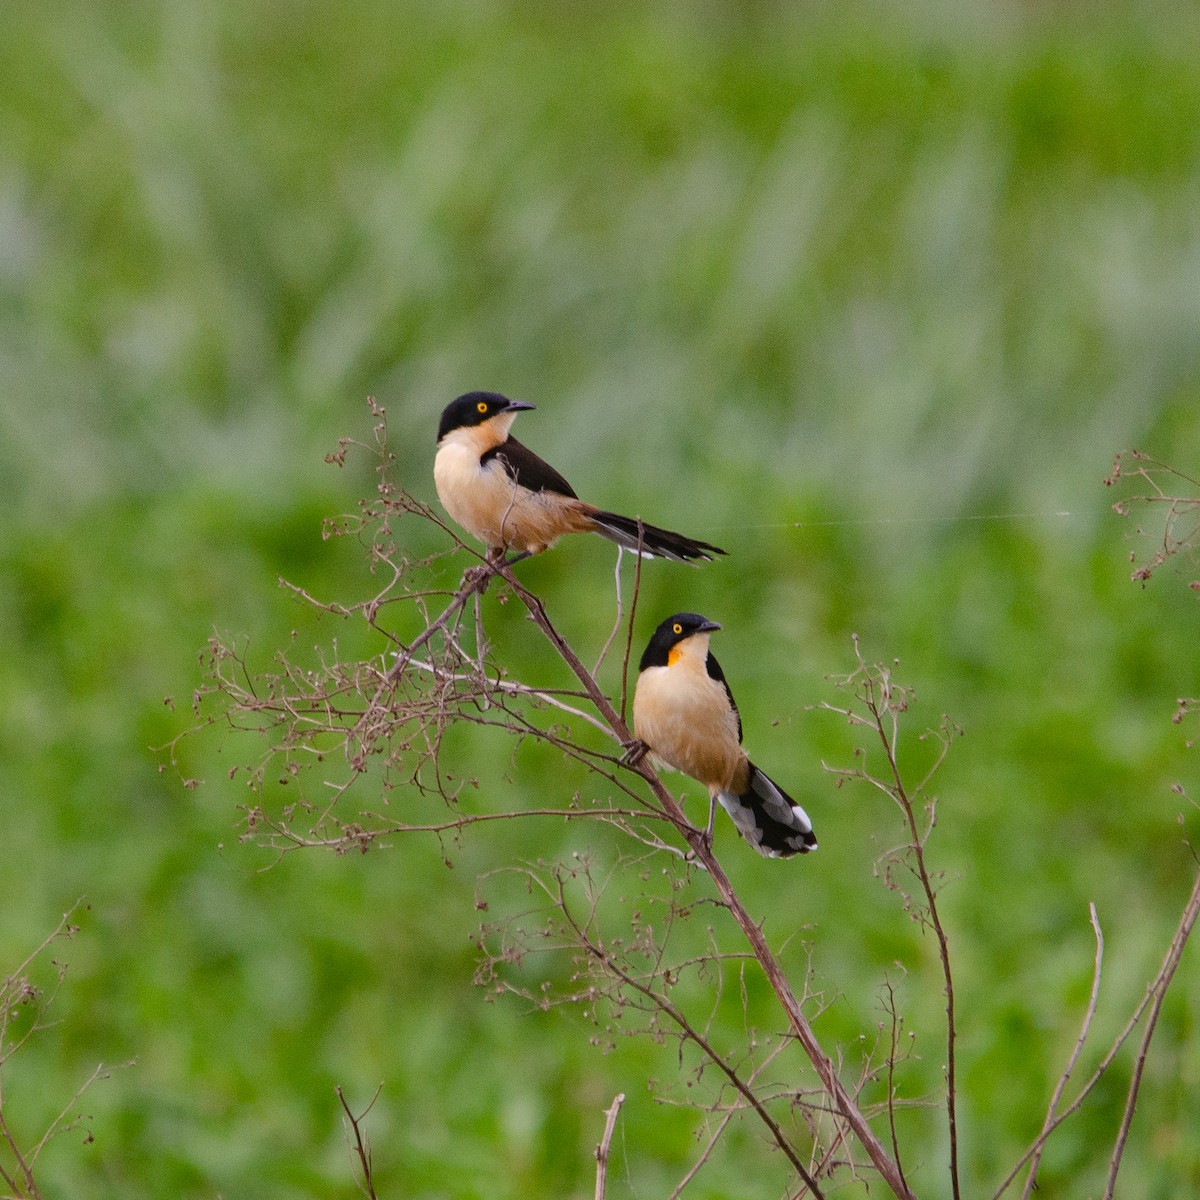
694 1169
669 1009
1183 930
873 688
23 1167
619 618
362 1147
737 1106
1063 1079
893 1054
1159 991
101 1072
610 1122
637 589
475 580
465 821
481 645
15 990
515 689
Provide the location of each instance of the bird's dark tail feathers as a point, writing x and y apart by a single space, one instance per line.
769 819
655 542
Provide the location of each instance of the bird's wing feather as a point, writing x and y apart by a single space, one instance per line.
525 468
715 672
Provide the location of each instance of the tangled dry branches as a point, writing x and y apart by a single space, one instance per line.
372 728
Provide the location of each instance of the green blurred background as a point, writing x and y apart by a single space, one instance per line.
868 293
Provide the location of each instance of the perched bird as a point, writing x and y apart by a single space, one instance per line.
506 496
685 716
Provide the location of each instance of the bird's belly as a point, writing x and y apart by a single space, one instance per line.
688 728
489 504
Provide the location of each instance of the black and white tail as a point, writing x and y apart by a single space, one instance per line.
769 819
655 542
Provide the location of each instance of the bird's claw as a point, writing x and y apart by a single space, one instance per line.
703 843
478 577
635 751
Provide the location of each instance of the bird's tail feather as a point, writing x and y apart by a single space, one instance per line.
769 819
650 539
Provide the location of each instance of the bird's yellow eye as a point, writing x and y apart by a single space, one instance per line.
677 628
481 406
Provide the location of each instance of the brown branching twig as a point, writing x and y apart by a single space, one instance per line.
382 721
1153 998
20 997
610 1123
362 1145
1173 495
612 964
1156 995
728 1112
1064 1078
880 704
893 1057
637 587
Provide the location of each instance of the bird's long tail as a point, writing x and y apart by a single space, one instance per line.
653 542
769 819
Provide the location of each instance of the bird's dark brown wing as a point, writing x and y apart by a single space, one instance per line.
715 672
525 468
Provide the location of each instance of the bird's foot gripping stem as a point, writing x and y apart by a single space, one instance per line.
496 563
478 578
635 751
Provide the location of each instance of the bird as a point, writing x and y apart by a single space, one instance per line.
505 495
685 716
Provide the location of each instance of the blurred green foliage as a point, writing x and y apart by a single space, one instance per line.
868 293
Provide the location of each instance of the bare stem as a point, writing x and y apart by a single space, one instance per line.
1154 994
620 617
610 1123
893 1055
1158 990
362 1148
877 698
637 591
1075 1053
689 1031
23 1185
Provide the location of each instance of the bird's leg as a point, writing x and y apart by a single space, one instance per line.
516 558
635 751
706 838
712 820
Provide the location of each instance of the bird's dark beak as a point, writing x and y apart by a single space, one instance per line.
518 406
707 627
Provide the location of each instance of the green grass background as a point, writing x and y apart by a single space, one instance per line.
825 284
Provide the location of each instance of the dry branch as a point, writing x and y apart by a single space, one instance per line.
610 1123
362 1147
877 706
383 721
20 997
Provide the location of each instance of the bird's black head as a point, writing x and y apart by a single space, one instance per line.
476 407
670 633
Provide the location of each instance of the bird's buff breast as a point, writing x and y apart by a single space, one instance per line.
684 717
486 502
